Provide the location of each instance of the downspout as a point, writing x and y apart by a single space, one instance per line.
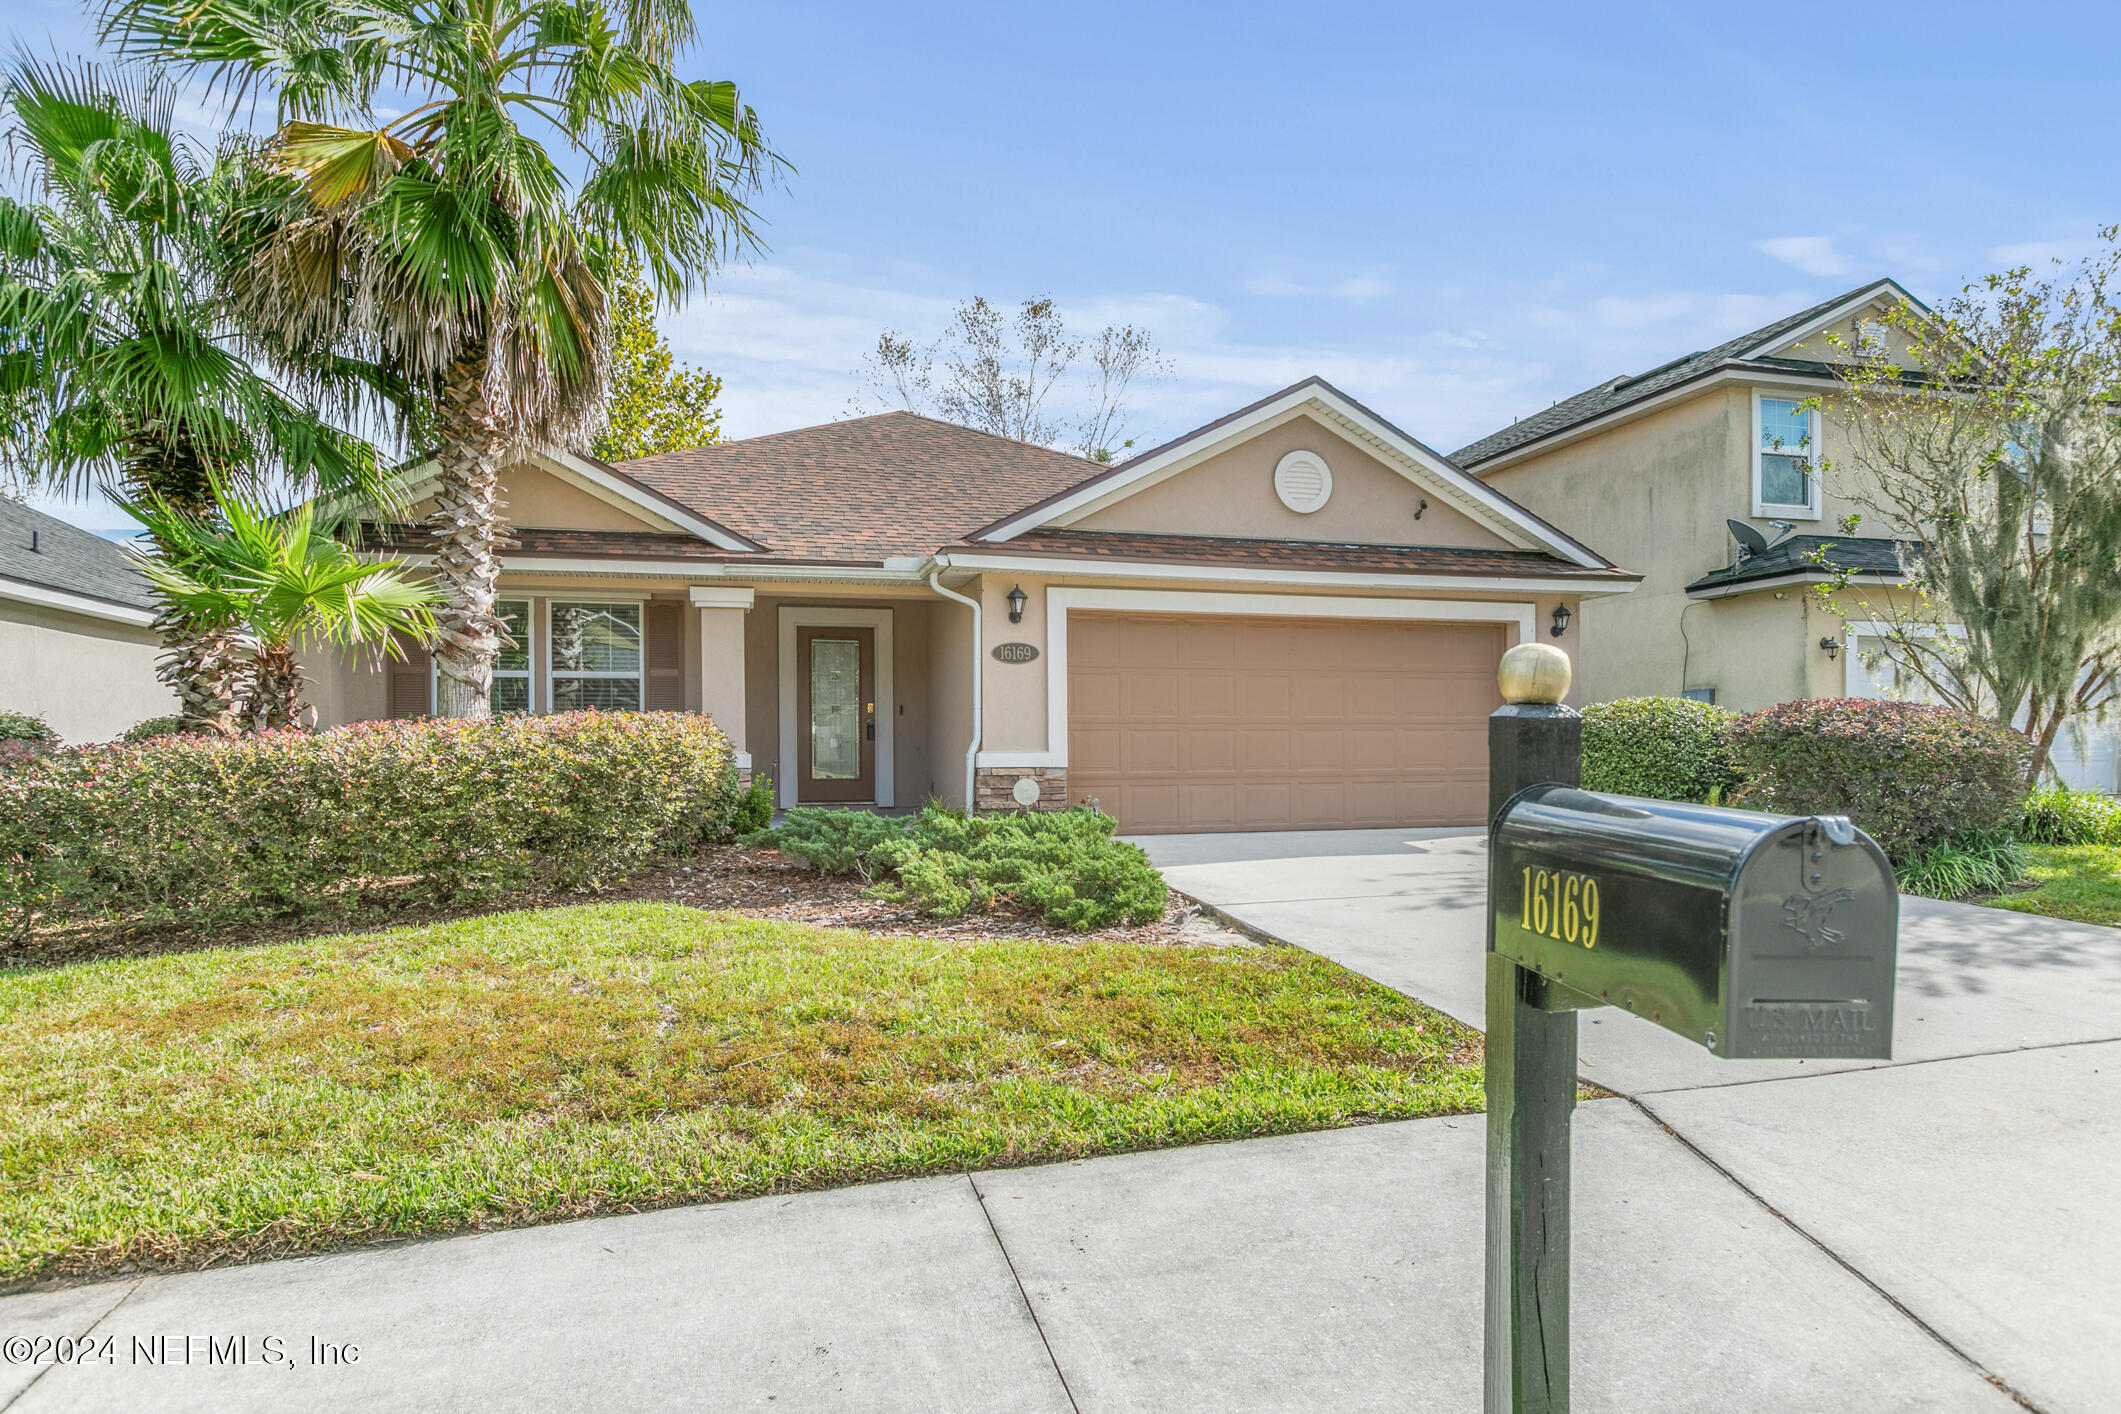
935 582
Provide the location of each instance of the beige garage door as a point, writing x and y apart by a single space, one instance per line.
1215 723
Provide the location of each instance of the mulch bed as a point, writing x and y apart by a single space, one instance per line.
762 883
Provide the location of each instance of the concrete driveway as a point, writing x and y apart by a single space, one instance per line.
1971 1181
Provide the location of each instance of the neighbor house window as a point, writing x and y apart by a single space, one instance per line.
511 670
1787 440
595 652
1700 694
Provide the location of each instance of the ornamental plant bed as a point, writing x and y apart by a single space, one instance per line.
755 882
235 1104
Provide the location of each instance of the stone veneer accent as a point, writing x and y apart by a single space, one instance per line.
992 787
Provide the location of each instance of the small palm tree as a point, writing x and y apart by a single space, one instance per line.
119 368
446 242
279 585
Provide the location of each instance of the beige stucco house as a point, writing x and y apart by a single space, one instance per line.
1288 618
75 644
1652 467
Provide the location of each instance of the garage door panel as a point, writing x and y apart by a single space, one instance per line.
1200 722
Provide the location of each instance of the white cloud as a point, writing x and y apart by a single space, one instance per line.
1356 288
1814 255
2041 254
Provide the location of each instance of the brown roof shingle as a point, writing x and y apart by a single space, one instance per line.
860 490
1114 545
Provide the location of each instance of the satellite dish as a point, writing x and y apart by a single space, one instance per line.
1750 541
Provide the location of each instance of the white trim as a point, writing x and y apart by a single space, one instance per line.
1812 509
1855 302
82 604
1326 579
1161 601
795 616
718 596
1409 458
639 675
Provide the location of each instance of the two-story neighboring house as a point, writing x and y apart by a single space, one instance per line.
1650 468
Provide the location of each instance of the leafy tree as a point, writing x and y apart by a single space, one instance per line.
1994 447
996 374
446 241
656 403
119 370
279 584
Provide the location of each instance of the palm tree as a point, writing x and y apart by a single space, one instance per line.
119 369
280 585
446 242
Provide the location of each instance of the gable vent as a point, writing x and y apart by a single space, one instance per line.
1303 481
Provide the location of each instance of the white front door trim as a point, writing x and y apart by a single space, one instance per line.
795 616
1060 599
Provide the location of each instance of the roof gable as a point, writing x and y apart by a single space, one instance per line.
1770 348
1315 398
68 559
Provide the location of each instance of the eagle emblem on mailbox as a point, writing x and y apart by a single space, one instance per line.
1806 914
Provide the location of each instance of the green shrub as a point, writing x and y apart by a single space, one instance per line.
753 810
154 727
1914 776
1063 865
2065 816
25 734
288 824
1666 748
1975 864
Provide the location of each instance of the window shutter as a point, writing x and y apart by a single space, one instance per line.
663 657
410 691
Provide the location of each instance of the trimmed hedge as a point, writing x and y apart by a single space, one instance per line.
1914 776
284 825
21 726
1064 865
152 728
1666 748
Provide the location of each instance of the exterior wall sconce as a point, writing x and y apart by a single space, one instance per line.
1017 600
1832 647
1561 619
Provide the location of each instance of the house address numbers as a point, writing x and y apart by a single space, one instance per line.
1015 652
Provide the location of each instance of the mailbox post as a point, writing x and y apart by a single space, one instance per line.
1751 935
1530 1078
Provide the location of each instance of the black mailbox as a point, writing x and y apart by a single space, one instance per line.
1759 936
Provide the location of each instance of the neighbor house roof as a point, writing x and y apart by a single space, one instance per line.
1801 556
67 560
864 489
1116 545
1747 351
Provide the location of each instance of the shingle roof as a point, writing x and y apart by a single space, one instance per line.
1856 553
66 558
863 489
1114 545
1616 393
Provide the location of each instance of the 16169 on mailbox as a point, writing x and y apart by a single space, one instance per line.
1758 936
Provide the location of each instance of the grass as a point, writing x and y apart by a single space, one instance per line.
2077 881
187 1109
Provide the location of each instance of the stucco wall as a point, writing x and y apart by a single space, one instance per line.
89 678
537 498
1232 493
949 697
913 757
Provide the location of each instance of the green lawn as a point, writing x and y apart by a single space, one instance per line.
2079 881
196 1107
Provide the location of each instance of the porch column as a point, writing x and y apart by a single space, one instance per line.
721 610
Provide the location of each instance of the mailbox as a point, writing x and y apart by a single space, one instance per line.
1758 936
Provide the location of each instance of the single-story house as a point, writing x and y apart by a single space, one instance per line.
1653 467
75 644
1288 618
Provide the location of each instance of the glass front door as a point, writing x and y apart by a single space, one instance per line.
837 723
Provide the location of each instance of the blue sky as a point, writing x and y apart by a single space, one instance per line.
1458 214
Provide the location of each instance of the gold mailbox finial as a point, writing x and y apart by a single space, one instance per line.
1534 672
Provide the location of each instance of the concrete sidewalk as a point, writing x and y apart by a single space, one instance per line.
1971 1179
1331 1272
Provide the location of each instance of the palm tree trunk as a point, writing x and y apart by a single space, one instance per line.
276 690
467 530
201 667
